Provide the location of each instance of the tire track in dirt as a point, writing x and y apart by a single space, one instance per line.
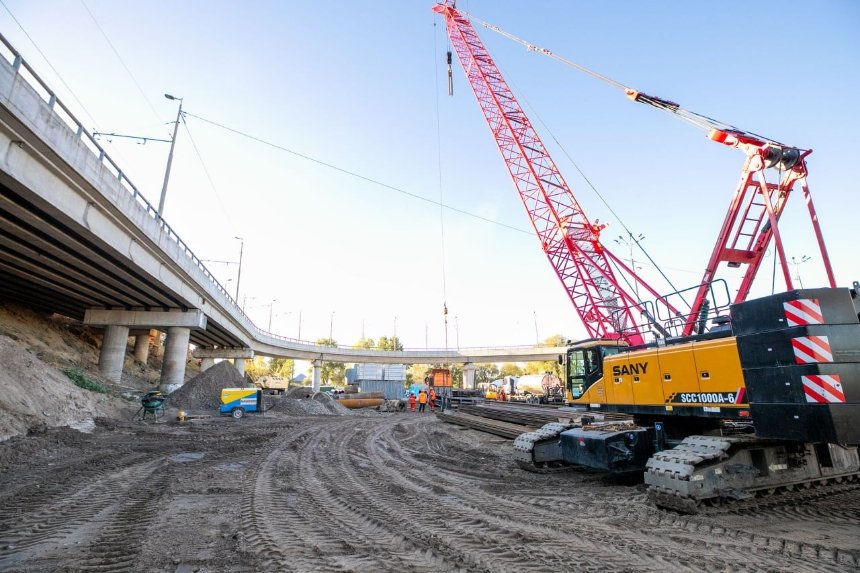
53 522
268 511
316 512
519 536
724 550
115 548
526 515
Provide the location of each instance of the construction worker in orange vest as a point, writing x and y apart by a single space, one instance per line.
422 400
432 399
411 402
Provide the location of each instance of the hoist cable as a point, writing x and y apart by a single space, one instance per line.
439 167
672 108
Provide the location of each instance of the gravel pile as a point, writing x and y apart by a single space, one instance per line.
203 392
306 403
332 405
300 407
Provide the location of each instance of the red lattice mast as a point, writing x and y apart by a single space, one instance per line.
571 242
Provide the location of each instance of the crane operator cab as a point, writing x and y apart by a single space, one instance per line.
584 364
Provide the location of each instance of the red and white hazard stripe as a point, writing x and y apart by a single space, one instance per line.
823 389
803 311
809 349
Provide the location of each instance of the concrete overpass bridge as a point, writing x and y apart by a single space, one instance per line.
79 239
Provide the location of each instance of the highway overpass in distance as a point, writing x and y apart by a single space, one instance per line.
77 238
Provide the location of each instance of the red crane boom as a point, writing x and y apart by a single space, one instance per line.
571 242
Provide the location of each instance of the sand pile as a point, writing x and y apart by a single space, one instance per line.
35 395
203 392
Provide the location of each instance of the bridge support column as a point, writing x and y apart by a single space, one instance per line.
468 375
238 355
317 364
175 356
177 324
141 347
112 354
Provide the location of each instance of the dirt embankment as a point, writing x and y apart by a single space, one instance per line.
35 349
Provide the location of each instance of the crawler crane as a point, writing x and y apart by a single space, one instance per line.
769 401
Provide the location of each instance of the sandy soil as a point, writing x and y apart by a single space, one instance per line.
390 492
310 486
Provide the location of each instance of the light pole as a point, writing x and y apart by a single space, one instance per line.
330 326
457 331
239 274
300 325
796 263
170 157
271 309
537 338
426 344
630 241
394 342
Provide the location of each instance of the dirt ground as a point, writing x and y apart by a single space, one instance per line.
385 492
308 487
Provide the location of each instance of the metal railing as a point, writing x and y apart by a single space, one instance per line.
61 111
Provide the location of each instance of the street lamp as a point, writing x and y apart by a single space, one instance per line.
394 342
300 325
537 338
239 274
330 325
457 330
170 157
630 241
271 308
796 263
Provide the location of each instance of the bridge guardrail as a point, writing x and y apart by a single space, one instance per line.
62 112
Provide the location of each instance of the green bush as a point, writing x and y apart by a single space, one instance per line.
82 381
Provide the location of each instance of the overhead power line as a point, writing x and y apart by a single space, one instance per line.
356 175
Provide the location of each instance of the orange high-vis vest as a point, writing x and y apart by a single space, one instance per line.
422 397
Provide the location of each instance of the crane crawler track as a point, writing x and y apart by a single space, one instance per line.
705 472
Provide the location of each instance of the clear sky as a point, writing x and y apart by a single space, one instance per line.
356 87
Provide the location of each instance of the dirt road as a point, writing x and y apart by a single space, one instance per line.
393 492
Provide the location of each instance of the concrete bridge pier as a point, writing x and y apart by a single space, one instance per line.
175 356
141 346
117 324
468 375
238 355
317 364
112 355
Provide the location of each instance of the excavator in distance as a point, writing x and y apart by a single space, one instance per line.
768 401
